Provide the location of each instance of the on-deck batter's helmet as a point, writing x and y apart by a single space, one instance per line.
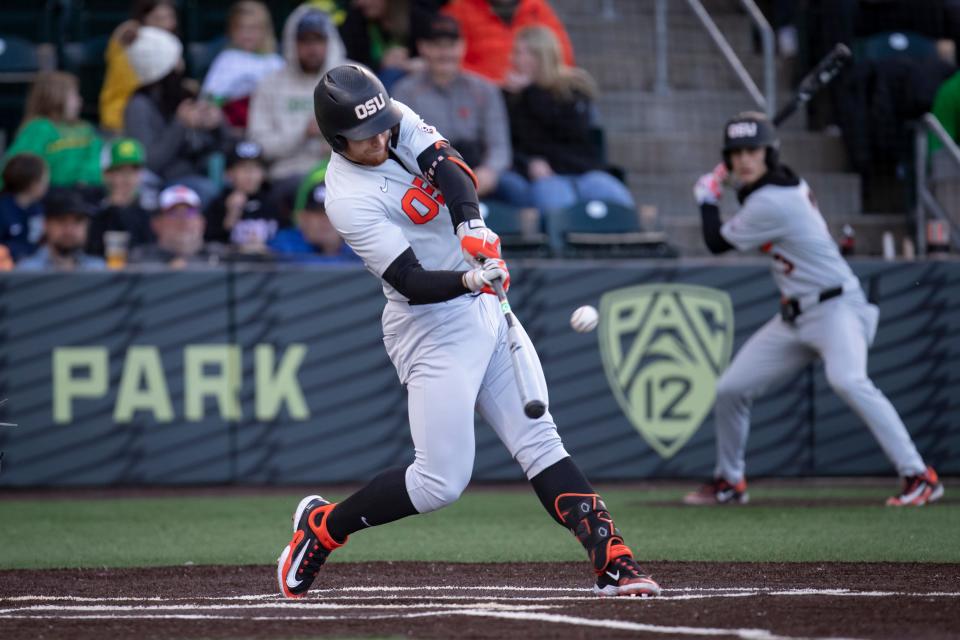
750 130
351 103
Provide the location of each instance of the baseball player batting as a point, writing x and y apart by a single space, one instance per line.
406 202
823 312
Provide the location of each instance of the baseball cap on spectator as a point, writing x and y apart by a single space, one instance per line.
177 195
126 152
154 54
245 150
442 27
62 201
313 22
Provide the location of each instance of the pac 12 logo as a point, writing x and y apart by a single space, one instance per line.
663 347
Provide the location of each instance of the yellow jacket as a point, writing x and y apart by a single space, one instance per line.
119 83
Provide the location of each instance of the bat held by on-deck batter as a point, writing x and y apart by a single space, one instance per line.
822 75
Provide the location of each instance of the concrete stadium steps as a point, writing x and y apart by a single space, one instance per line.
706 111
838 194
682 151
685 70
685 233
666 141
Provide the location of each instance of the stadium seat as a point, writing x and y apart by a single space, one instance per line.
32 21
602 229
92 18
518 238
894 44
18 68
85 60
200 55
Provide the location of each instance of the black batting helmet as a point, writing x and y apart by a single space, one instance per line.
351 103
751 130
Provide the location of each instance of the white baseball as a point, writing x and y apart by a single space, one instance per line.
584 319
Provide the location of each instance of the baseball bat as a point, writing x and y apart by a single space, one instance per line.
533 406
822 75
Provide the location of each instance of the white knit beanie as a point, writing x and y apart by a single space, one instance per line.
153 54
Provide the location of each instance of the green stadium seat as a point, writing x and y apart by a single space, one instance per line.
603 229
92 18
85 60
32 21
18 68
894 44
199 56
519 238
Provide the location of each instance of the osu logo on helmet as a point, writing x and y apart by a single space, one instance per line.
370 107
742 130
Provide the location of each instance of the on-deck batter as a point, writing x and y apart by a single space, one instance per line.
824 312
406 203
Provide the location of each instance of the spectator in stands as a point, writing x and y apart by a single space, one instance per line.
120 81
178 226
281 110
250 55
123 209
178 131
25 182
52 129
66 217
243 215
377 34
313 240
490 26
467 108
555 158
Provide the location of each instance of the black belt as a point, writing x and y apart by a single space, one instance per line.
790 307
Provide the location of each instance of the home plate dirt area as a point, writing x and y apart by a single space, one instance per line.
757 601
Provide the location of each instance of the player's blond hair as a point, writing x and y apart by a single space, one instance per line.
552 73
258 11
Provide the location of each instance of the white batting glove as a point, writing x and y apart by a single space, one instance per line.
709 188
480 278
477 241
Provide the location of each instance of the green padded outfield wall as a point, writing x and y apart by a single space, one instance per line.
265 377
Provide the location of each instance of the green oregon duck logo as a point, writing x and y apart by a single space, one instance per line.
663 347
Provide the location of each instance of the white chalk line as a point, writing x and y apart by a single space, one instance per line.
391 593
620 625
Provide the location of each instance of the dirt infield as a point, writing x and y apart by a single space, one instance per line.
419 600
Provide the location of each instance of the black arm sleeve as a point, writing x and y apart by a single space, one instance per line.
710 219
421 286
445 168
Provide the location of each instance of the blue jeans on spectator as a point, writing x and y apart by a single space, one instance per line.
561 191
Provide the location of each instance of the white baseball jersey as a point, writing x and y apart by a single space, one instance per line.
452 357
381 211
784 222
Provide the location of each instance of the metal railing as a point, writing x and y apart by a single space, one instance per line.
925 200
766 100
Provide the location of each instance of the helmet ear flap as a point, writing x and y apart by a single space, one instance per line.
726 161
338 144
773 157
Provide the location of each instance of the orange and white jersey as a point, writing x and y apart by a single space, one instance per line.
785 223
380 211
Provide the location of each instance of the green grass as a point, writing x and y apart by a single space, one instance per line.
484 526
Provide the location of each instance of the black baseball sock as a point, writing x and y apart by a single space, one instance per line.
563 476
384 499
